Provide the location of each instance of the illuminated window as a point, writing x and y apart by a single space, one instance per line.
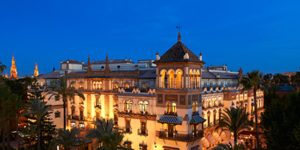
143 106
195 106
178 79
57 114
163 79
128 106
171 107
81 125
171 79
97 85
115 85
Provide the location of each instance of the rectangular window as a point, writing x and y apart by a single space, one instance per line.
143 129
127 126
182 100
142 147
159 98
57 114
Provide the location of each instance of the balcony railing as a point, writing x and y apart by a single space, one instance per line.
170 113
75 117
143 132
180 136
127 130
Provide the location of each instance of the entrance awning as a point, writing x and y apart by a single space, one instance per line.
196 119
170 119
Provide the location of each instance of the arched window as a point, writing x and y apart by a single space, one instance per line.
171 78
195 106
174 107
171 107
97 85
179 78
162 79
115 85
143 106
128 106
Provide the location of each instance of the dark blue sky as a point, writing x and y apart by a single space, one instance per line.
260 34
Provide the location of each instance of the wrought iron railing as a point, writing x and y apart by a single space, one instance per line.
180 136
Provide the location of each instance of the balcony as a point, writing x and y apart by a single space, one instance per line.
75 117
143 132
127 130
144 115
180 136
170 113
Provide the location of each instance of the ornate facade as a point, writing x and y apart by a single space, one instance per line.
171 103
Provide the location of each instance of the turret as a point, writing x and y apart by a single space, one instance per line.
13 69
36 71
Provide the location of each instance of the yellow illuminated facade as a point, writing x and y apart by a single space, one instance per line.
172 103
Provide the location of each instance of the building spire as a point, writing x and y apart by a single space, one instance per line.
36 71
107 69
89 64
179 37
178 27
13 69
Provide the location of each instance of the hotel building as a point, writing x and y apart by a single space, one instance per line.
170 103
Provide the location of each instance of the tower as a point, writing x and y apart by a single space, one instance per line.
178 103
36 71
89 66
13 69
106 69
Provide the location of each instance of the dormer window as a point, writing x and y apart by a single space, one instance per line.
186 56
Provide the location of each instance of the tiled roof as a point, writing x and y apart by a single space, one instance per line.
113 61
196 119
208 74
147 74
176 54
170 119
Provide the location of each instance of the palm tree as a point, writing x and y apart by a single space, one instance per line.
235 120
37 111
68 138
108 137
62 90
229 147
254 81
